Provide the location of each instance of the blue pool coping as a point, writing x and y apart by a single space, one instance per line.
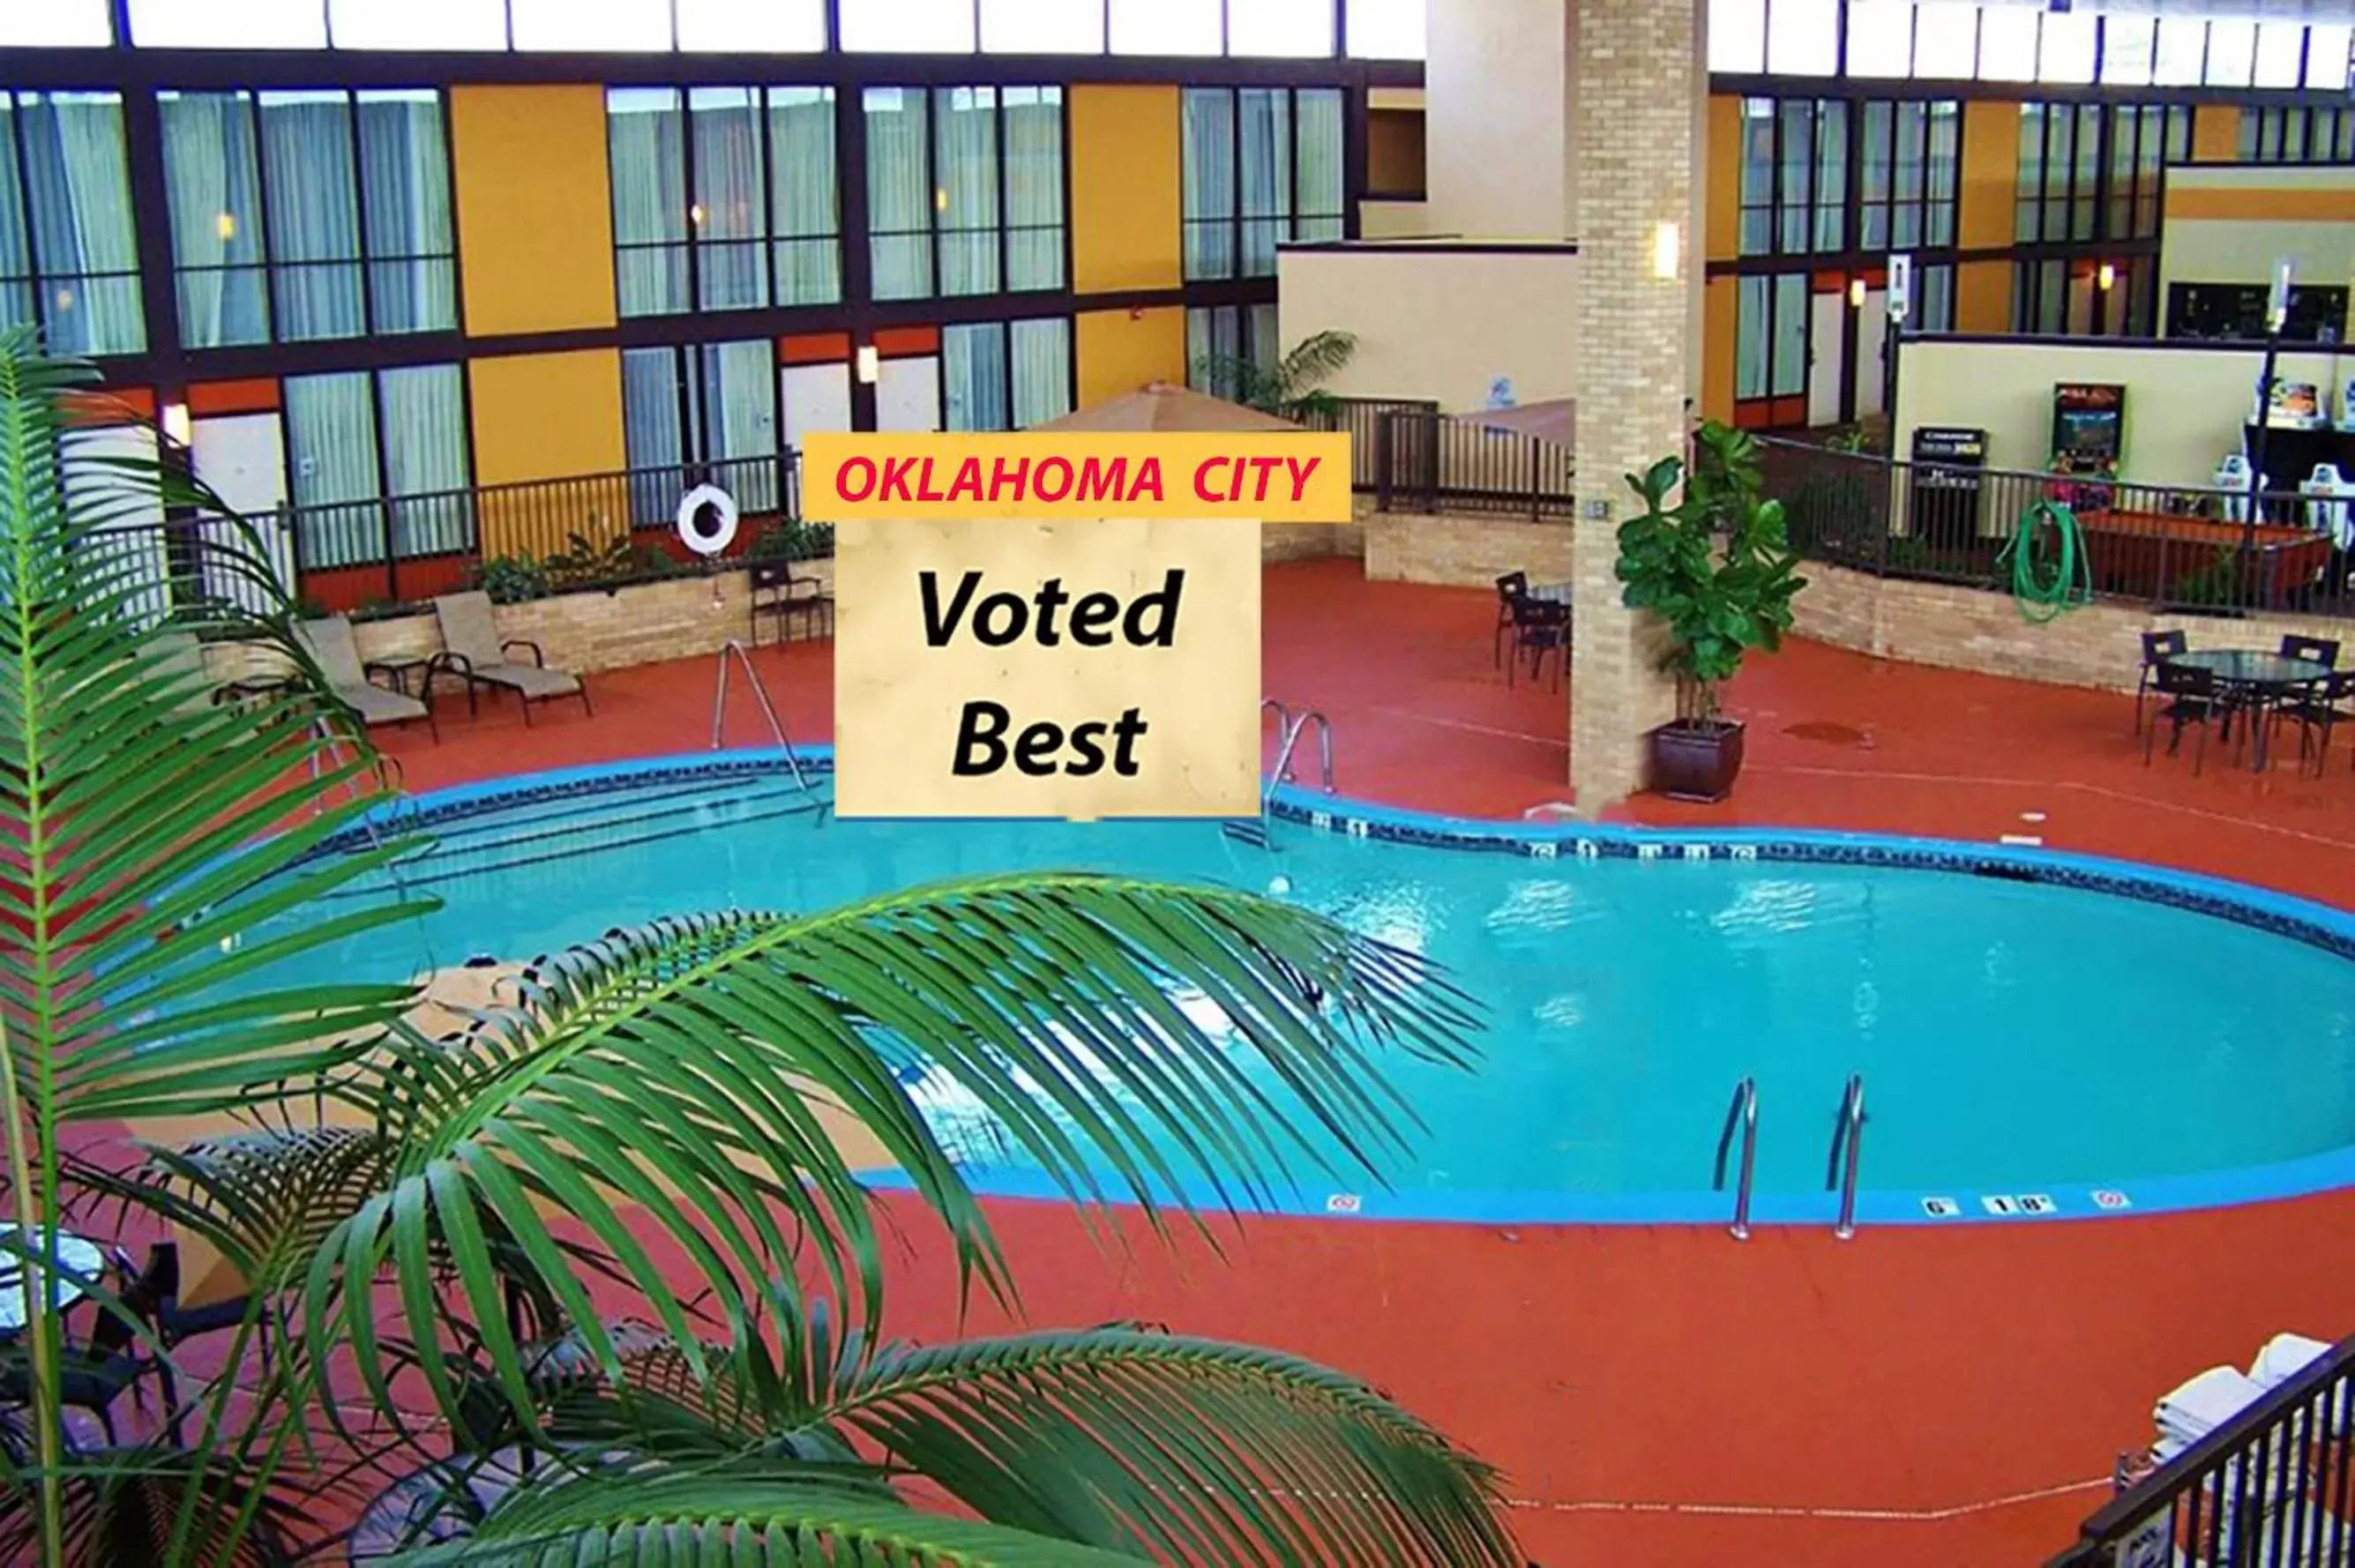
2282 914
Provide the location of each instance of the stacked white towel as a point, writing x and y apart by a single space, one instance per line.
2283 1356
2199 1407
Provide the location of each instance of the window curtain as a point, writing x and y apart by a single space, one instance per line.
732 193
331 468
1213 340
213 181
645 142
1831 176
1320 138
16 306
899 193
1791 334
1945 126
973 377
1798 164
1261 338
405 206
314 215
1034 187
740 423
1758 176
79 195
805 218
1207 152
964 169
1042 355
653 433
1264 117
1912 175
1753 317
425 456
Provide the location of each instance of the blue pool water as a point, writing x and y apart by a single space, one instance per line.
2015 1039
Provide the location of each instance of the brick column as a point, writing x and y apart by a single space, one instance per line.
1637 164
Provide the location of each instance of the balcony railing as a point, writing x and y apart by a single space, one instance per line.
1425 461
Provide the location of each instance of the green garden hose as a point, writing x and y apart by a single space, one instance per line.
2050 573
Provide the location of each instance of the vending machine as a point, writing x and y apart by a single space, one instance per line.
2089 424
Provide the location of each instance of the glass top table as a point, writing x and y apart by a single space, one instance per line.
80 1263
2262 673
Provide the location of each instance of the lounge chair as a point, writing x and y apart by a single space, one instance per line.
330 645
472 650
180 654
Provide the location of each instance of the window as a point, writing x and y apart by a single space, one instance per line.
2090 171
2064 298
1770 353
1934 300
2327 48
245 25
1802 37
1907 167
56 24
1042 26
299 216
1001 375
417 23
68 258
723 197
1167 27
1300 29
2297 135
356 437
1794 176
1879 37
1737 36
918 27
964 190
1945 40
1390 29
1221 339
1263 166
604 25
701 412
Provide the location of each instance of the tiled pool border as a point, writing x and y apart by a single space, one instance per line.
2299 920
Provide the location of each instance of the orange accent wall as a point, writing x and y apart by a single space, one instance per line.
1719 330
534 210
2215 133
907 342
815 349
109 405
1983 296
1120 351
546 416
1991 175
1722 240
258 396
1125 188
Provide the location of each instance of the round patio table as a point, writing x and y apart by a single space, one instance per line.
80 1263
2261 676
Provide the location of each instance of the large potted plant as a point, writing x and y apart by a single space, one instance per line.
1716 566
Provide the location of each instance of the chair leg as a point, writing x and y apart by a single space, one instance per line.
2150 742
527 708
585 706
106 1425
2199 749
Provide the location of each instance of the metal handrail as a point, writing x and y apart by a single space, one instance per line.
1744 1112
1848 1149
1291 740
760 694
1283 716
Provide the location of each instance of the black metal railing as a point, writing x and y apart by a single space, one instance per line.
1425 461
1361 419
2272 1488
2188 549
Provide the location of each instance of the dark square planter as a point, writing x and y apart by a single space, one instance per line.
1697 760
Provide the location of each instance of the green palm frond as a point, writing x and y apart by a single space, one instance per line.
138 1507
1316 358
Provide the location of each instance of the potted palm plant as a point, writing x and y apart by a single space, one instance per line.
1290 389
1716 566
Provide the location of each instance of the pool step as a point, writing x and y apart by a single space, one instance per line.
1252 831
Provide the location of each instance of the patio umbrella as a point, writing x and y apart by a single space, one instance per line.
1555 419
1162 406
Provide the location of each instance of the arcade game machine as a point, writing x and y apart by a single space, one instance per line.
2088 436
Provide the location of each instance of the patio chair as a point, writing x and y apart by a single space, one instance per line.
473 651
2321 650
2187 696
2157 647
97 1374
180 654
330 645
1510 587
1541 626
2317 711
780 596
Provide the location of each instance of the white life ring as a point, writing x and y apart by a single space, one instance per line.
706 519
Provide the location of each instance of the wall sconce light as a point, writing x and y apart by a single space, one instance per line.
1856 293
695 214
2105 277
1667 246
870 364
176 427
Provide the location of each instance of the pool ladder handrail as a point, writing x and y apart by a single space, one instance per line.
1744 1113
1294 727
760 695
1848 1151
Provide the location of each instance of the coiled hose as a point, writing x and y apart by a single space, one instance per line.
2049 572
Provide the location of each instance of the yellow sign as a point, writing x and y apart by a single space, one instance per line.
1048 475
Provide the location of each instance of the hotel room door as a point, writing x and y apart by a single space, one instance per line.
1827 357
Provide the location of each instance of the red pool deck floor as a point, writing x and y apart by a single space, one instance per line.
1664 1395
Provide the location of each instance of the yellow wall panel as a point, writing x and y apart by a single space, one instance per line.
2215 133
1723 240
547 416
1121 350
1717 342
1124 190
1983 296
534 213
1990 174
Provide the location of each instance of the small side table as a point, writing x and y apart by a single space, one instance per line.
400 669
248 689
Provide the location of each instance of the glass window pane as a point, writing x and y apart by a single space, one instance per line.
805 215
1946 39
609 25
1264 119
1394 30
1754 318
1737 35
653 409
314 237
974 377
405 205
907 27
1041 354
1042 26
212 179
898 192
646 139
1207 124
1165 27
1296 28
1879 37
55 24
78 190
2281 49
1831 174
331 453
2232 51
966 188
1033 119
2126 48
425 455
1316 168
752 26
17 307
2066 53
2175 58
2007 44
1802 37
1790 343
729 206
2326 57
739 423
243 25
417 23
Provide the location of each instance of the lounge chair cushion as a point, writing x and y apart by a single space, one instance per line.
535 683
338 656
470 631
377 706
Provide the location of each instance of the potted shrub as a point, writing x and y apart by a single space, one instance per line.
1717 568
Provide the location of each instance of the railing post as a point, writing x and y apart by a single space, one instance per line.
391 563
1536 484
1384 443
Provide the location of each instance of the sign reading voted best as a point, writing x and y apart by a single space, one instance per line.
1055 625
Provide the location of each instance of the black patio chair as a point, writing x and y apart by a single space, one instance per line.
98 1373
2187 696
1512 586
780 596
1541 626
2157 647
2321 650
2317 711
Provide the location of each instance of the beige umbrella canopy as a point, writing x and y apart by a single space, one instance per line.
1159 406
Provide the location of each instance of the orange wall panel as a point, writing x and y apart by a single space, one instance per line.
1719 327
1983 296
2215 133
1125 188
1991 175
1120 350
1722 240
534 210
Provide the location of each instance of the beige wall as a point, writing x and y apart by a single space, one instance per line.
2184 405
1393 219
1492 174
2230 225
1437 323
